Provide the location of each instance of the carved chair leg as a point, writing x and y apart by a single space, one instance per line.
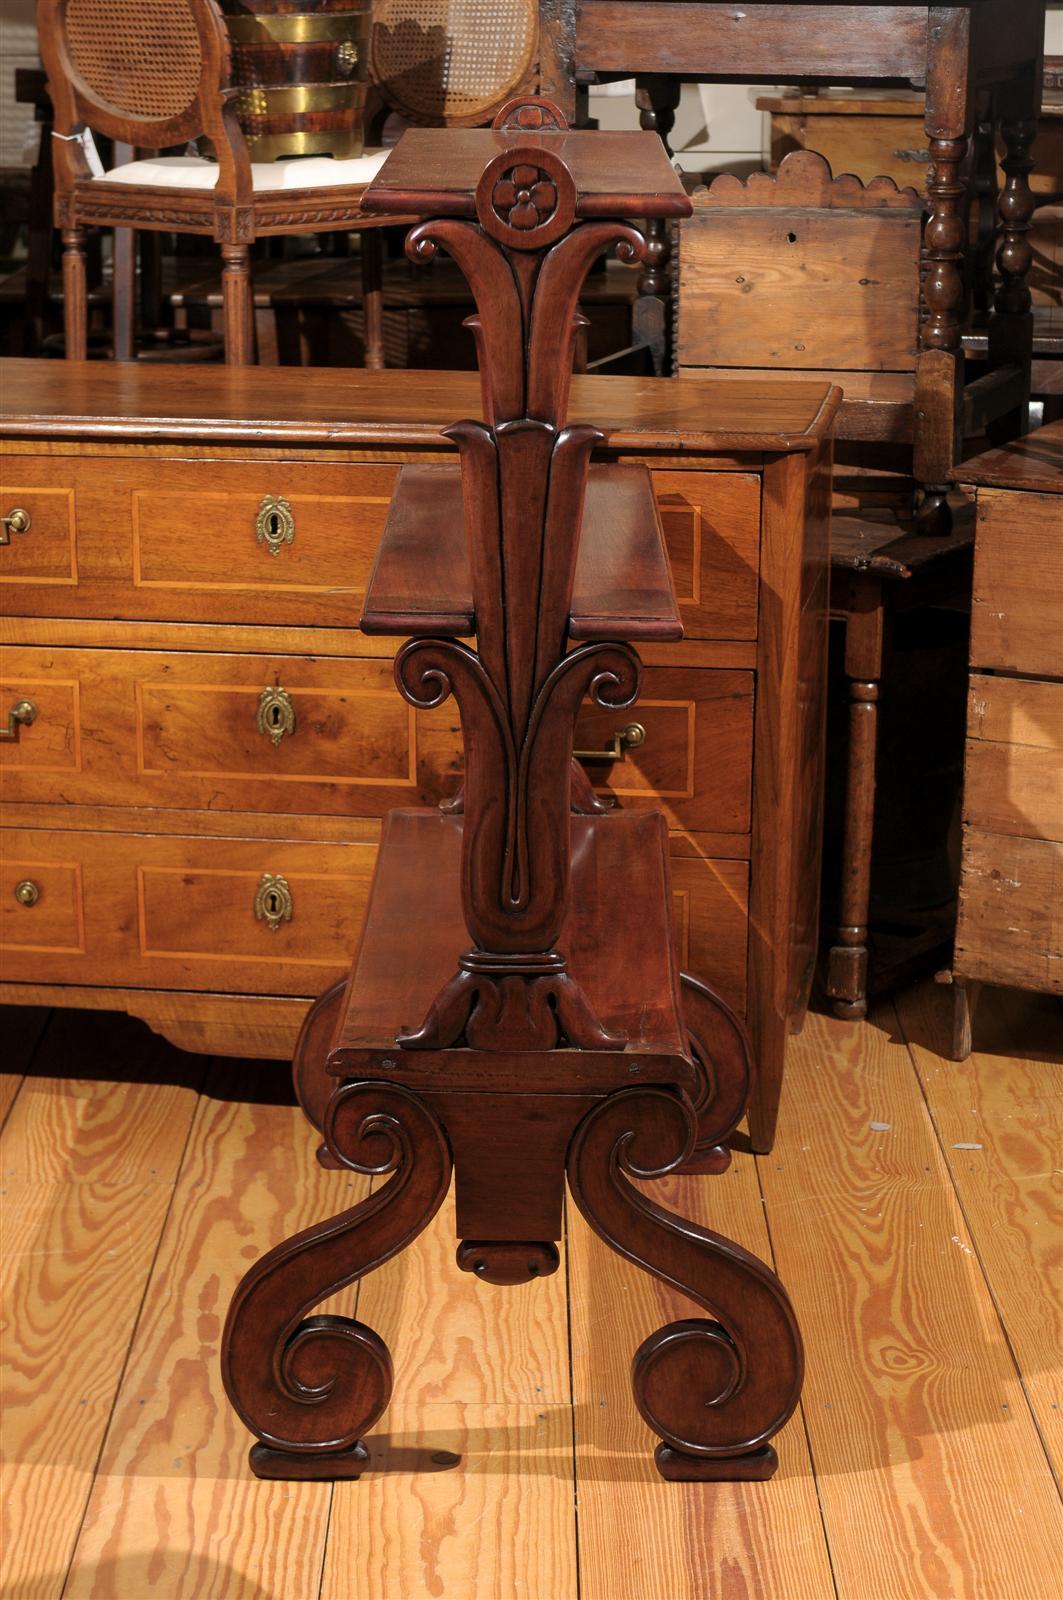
75 296
310 1386
724 1055
312 1083
714 1389
238 309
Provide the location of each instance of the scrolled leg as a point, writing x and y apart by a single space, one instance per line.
310 1386
724 1056
714 1389
312 1083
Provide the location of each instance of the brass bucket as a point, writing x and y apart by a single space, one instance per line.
300 66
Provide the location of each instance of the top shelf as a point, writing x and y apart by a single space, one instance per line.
434 172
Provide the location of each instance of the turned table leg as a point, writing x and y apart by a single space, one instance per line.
75 295
847 960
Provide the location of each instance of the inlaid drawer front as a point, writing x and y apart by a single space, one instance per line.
247 916
209 541
255 541
711 901
1017 599
40 721
38 534
41 905
711 523
223 732
684 748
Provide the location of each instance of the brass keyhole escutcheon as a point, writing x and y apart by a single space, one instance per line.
27 892
273 902
16 521
276 714
275 523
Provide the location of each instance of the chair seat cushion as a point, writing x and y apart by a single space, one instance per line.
293 172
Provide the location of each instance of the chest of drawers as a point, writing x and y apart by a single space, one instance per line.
195 804
1010 924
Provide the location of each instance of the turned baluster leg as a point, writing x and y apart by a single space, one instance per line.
373 298
657 98
939 368
1011 324
715 1389
309 1387
75 295
864 649
237 305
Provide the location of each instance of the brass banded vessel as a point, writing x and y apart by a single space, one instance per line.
300 67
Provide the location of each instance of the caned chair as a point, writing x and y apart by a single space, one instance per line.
153 74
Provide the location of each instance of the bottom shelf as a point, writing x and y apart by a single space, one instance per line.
618 937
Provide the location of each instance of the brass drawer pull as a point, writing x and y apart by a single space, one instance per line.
27 892
276 714
16 521
20 715
273 902
624 739
275 523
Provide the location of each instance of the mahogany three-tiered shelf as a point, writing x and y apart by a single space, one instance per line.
516 1015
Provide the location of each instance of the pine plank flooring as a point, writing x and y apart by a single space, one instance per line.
911 1205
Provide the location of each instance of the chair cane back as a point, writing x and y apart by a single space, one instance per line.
153 74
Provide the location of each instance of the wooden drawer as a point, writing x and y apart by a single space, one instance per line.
696 762
711 523
192 729
169 540
40 547
179 540
1013 778
1010 925
180 913
1017 601
143 727
711 899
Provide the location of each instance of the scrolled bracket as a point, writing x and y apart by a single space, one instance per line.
714 1389
308 1387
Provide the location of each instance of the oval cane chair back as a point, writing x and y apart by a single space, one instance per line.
453 62
147 72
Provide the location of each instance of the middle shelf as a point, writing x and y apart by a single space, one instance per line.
420 583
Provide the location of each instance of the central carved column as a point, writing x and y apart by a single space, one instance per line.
524 476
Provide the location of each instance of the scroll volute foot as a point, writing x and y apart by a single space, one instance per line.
678 1467
507 1262
294 1465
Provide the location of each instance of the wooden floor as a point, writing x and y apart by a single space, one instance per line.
908 1206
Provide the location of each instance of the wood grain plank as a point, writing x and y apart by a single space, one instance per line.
642 1538
999 1117
88 1168
174 1509
930 1471
100 1105
22 1029
480 1372
1010 923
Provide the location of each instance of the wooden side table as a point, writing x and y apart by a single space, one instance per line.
514 1013
874 580
1010 925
